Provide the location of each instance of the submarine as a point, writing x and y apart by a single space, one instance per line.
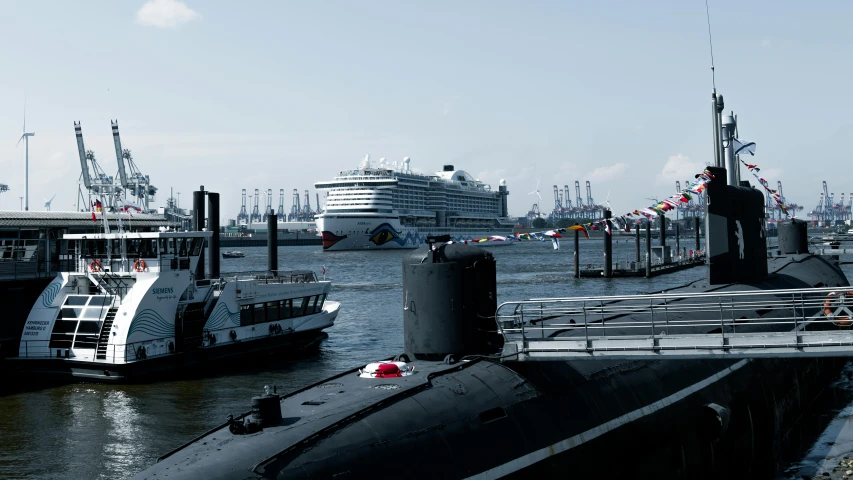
452 405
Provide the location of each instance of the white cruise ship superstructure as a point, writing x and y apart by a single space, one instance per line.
389 206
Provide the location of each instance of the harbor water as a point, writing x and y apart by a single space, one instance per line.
93 431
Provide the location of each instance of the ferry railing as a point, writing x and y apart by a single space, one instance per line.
273 277
116 353
791 322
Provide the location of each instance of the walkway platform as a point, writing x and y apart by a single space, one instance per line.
815 322
639 268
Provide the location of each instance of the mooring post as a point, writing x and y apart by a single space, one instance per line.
637 238
213 225
272 244
696 228
608 247
198 226
677 240
662 230
649 249
577 254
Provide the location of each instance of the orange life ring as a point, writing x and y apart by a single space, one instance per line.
834 304
139 265
95 266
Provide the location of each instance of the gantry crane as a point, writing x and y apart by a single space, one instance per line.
97 183
138 184
243 216
280 213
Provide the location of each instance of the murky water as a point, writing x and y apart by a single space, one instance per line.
106 431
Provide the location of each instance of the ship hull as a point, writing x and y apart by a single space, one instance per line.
387 233
177 364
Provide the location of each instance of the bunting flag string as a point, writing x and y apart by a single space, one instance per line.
695 187
623 222
753 169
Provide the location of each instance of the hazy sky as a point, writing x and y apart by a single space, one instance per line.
283 94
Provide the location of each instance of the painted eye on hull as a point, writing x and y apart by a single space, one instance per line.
382 237
383 234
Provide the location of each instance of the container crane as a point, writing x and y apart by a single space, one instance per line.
295 208
96 182
243 216
307 207
579 200
138 184
558 204
281 215
256 213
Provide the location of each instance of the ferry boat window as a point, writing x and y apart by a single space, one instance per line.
312 305
286 309
163 249
259 316
320 301
298 307
148 248
172 246
116 246
246 314
273 311
197 243
75 301
133 245
182 247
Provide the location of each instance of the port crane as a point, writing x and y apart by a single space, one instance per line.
243 216
280 212
97 183
256 213
134 181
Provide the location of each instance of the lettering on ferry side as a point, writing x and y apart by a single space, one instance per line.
365 223
162 291
33 327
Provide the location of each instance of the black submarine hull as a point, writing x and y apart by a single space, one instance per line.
486 417
489 419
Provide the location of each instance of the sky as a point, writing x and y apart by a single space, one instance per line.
284 94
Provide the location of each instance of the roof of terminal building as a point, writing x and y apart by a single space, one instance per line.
79 219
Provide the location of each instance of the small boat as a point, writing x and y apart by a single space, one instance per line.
129 305
233 254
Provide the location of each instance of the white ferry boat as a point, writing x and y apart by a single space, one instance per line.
389 206
128 305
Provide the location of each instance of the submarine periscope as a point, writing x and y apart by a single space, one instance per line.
459 403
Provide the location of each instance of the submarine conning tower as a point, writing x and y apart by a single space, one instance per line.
734 231
793 237
449 301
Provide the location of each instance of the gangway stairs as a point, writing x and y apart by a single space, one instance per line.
811 322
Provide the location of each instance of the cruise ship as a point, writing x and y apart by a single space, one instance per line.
389 206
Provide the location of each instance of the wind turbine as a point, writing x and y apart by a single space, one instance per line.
25 136
537 194
607 201
47 202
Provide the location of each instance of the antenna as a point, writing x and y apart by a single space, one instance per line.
711 44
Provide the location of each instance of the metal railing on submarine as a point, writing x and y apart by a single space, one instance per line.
810 322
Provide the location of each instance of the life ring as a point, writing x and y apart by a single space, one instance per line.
95 266
139 265
836 309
